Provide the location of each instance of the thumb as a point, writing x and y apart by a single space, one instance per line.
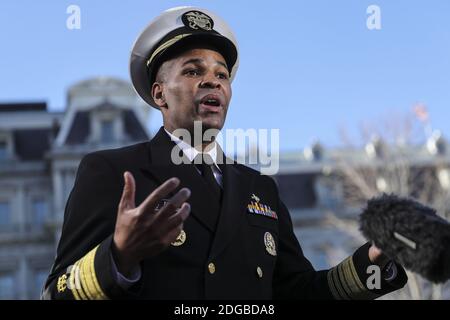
127 201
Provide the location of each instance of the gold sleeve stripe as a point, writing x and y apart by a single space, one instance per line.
334 282
84 279
99 294
84 272
350 273
344 282
76 282
338 284
72 285
332 286
363 293
88 284
78 285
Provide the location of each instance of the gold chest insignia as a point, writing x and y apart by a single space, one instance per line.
180 239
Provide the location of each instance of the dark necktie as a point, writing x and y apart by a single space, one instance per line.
204 163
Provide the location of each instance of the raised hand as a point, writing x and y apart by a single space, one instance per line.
141 232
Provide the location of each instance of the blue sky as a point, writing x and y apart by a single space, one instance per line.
306 67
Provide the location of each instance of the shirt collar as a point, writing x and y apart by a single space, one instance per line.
190 152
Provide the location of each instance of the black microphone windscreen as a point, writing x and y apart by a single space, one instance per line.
410 233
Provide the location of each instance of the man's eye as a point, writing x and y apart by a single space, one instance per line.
223 75
192 73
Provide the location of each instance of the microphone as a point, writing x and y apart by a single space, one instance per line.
410 233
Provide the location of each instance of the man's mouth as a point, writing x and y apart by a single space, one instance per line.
211 103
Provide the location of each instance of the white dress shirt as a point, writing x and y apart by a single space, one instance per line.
190 152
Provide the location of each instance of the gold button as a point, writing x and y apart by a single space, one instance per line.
211 268
260 272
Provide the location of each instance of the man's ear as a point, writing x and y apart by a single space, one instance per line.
158 95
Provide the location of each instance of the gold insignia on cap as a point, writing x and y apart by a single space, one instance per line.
62 283
270 244
180 239
197 19
254 197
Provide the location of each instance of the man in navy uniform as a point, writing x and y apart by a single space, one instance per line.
138 225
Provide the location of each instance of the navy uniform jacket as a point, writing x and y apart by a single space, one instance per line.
228 259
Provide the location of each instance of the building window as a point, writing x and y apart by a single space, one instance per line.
3 150
5 215
40 276
7 286
39 212
107 131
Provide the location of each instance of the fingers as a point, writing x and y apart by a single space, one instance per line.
184 211
173 205
158 194
377 256
174 225
128 195
177 219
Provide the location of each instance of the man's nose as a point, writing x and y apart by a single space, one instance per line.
210 81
